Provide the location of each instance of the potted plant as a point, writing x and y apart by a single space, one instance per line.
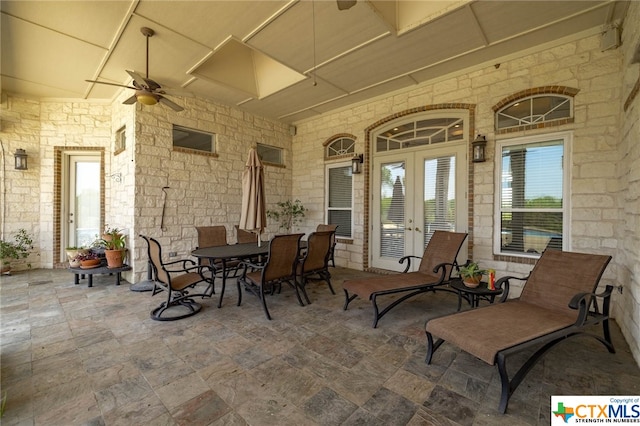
288 214
19 248
86 260
471 274
113 242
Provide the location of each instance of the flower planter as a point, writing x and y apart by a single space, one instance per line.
89 263
115 258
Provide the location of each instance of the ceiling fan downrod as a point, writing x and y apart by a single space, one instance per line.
147 32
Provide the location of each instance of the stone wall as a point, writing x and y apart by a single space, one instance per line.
628 169
598 190
203 189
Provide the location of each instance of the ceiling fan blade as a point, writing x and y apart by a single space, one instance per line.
132 100
346 4
170 104
137 78
110 84
152 85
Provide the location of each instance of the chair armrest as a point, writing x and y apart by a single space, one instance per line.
504 282
183 261
408 260
583 302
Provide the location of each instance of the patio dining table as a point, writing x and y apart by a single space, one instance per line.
225 255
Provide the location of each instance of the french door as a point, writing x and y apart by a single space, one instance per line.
414 194
81 207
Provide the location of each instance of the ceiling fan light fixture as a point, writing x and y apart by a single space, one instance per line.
146 98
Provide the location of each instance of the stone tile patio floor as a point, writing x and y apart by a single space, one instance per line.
73 355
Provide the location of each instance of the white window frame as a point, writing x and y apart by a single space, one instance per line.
326 196
567 138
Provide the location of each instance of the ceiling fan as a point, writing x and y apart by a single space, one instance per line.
148 92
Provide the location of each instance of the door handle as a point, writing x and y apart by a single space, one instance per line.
409 229
418 229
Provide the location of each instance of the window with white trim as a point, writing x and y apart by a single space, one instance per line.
339 199
533 201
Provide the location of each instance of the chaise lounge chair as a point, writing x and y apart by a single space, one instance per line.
557 302
433 274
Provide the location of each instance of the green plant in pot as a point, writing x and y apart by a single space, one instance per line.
471 274
288 214
19 248
114 243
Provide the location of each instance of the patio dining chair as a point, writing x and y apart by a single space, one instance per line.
215 236
279 267
315 261
323 228
175 278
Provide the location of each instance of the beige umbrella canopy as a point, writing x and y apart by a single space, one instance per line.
253 216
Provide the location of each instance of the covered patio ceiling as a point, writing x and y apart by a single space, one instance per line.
286 60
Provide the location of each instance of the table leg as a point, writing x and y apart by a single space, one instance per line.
89 280
76 279
118 278
224 281
459 300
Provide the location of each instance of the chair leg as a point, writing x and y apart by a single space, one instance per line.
347 299
264 304
302 285
239 291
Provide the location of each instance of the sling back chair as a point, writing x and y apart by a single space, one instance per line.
323 228
315 261
280 266
558 301
433 274
176 282
214 236
243 236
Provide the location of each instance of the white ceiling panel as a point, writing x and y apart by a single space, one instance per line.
44 57
48 48
290 39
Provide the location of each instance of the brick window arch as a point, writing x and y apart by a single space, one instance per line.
535 108
339 146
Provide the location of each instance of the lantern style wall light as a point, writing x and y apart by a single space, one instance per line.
356 164
479 146
21 159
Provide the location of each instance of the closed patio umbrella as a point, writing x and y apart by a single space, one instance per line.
253 216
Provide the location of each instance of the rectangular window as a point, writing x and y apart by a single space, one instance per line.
340 198
270 154
121 141
193 139
532 205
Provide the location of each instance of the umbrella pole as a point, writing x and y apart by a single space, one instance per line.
259 241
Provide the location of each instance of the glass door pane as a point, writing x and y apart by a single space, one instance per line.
392 210
439 199
83 200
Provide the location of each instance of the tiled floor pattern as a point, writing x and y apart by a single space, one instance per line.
73 355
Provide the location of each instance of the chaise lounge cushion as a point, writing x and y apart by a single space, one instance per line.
364 288
498 327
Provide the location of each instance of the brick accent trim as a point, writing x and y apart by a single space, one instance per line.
57 195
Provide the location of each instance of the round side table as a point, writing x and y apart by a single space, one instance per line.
473 295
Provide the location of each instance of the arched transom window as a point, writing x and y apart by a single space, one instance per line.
420 132
535 110
340 147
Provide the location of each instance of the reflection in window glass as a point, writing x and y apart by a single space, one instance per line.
420 132
531 195
193 139
270 154
340 199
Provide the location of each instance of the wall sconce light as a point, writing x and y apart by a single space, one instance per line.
21 159
356 164
479 146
